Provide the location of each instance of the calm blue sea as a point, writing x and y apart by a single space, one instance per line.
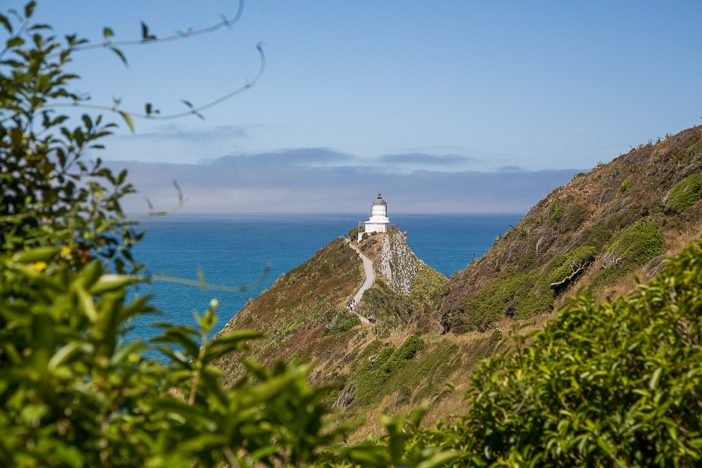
233 251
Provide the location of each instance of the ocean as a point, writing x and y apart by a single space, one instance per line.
233 251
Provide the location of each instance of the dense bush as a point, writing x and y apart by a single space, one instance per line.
75 390
391 310
78 393
495 300
556 210
519 295
428 288
625 186
639 243
617 383
631 248
684 194
566 264
353 233
375 376
339 321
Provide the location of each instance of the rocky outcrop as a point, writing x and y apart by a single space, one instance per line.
397 262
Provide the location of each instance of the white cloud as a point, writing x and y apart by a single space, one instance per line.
322 180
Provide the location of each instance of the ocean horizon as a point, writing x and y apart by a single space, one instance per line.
235 250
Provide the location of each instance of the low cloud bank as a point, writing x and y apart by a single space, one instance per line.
323 181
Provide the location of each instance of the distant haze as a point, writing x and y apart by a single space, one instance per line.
318 180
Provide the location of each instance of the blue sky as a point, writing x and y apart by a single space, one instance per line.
473 86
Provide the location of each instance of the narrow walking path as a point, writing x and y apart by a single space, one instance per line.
367 282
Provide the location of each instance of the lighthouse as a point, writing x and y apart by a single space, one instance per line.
378 221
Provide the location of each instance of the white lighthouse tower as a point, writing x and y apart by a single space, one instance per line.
379 221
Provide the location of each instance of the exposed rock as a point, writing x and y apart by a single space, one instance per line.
346 397
397 262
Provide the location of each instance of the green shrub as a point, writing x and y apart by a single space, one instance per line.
518 295
684 194
564 265
604 384
339 321
637 244
409 348
572 217
353 233
376 375
556 210
75 389
428 288
630 249
626 186
490 304
392 310
514 295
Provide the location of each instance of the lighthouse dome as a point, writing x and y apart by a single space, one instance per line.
379 221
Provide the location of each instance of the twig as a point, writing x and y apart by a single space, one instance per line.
175 37
213 287
193 111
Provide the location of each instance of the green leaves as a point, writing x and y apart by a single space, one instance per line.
127 119
29 9
14 42
40 254
120 55
107 283
603 384
192 108
398 447
77 389
145 34
5 22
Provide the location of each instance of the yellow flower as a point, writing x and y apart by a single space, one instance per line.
65 251
39 266
519 374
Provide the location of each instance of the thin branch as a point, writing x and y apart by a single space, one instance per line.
153 213
213 287
226 22
558 285
193 111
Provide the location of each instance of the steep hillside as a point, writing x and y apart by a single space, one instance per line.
393 365
597 233
302 314
303 317
407 290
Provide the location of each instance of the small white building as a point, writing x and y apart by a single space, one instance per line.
379 221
